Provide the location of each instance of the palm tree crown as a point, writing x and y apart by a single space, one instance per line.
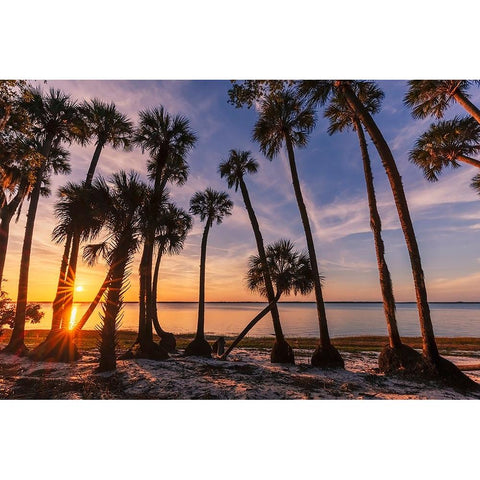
281 115
211 205
238 164
444 143
432 97
289 270
107 124
176 223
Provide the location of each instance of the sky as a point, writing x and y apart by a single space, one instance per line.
446 214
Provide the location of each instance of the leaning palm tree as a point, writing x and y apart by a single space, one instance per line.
342 117
167 139
289 270
433 97
211 206
55 120
175 224
445 144
123 220
283 119
233 170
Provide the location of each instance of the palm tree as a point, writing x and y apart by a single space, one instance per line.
284 120
234 169
289 270
211 206
167 139
123 224
445 144
433 97
107 126
342 117
175 225
55 120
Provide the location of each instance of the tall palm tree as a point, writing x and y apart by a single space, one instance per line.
342 117
211 206
233 170
289 270
55 120
123 224
429 345
175 224
107 126
445 144
433 97
284 120
167 139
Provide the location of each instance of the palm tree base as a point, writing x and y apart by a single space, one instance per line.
57 347
148 350
447 373
168 342
106 365
282 352
401 359
19 349
199 347
327 357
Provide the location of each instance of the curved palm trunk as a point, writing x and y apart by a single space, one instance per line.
263 258
200 335
148 327
322 316
376 226
430 349
17 340
142 298
93 163
156 323
470 161
467 105
251 324
6 215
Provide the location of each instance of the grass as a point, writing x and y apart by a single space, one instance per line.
87 340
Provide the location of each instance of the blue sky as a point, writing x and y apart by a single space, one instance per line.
445 215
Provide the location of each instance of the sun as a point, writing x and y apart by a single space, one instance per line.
79 288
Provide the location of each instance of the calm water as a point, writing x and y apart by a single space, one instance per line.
298 319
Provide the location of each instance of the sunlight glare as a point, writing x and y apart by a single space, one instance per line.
79 288
72 318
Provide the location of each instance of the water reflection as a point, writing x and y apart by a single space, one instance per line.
298 319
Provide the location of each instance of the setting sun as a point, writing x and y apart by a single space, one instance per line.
79 288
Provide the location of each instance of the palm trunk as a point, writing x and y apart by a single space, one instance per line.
81 323
200 335
156 323
376 226
17 340
263 258
244 332
7 213
322 316
113 306
148 328
93 163
467 105
70 281
430 349
470 161
61 285
142 298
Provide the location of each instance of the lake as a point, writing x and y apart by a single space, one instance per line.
298 319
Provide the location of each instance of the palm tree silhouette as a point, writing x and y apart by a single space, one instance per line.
289 270
123 212
211 206
233 170
175 224
283 119
445 144
55 120
167 139
433 97
342 117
